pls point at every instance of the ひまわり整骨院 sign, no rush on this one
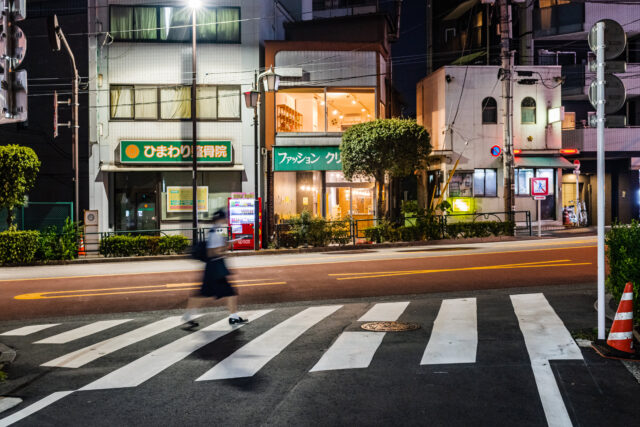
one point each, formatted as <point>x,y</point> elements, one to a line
<point>174,152</point>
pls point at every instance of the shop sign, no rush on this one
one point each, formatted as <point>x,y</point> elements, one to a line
<point>306,159</point>
<point>180,199</point>
<point>463,204</point>
<point>174,152</point>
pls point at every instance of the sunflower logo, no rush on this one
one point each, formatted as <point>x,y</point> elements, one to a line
<point>132,151</point>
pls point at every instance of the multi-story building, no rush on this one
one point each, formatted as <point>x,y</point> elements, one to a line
<point>554,32</point>
<point>140,57</point>
<point>345,80</point>
<point>459,106</point>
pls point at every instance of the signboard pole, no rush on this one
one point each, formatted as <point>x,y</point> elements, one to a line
<point>578,196</point>
<point>539,219</point>
<point>600,56</point>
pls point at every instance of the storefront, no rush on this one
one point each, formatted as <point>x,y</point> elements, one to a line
<point>152,186</point>
<point>310,179</point>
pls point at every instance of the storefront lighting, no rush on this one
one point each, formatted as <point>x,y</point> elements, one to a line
<point>251,98</point>
<point>555,115</point>
<point>363,110</point>
<point>462,204</point>
<point>335,112</point>
<point>517,151</point>
<point>341,117</point>
<point>271,80</point>
<point>321,102</point>
<point>567,151</point>
<point>353,102</point>
<point>195,4</point>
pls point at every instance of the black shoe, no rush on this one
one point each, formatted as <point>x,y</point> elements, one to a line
<point>191,324</point>
<point>233,320</point>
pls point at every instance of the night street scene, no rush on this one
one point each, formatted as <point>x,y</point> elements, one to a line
<point>320,213</point>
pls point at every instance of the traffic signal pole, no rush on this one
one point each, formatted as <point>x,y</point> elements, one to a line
<point>600,57</point>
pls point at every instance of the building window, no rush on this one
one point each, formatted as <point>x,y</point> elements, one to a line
<point>461,184</point>
<point>523,180</point>
<point>485,183</point>
<point>173,24</point>
<point>528,113</point>
<point>489,111</point>
<point>550,3</point>
<point>323,110</point>
<point>139,102</point>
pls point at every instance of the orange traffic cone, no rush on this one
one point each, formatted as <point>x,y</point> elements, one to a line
<point>621,334</point>
<point>81,250</point>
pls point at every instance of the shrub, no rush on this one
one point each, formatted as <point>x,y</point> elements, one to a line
<point>478,229</point>
<point>623,255</point>
<point>127,245</point>
<point>53,245</point>
<point>339,231</point>
<point>18,247</point>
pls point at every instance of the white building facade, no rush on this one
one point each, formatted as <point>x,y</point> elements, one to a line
<point>463,110</point>
<point>140,115</point>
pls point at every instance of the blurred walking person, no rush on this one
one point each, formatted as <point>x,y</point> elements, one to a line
<point>215,283</point>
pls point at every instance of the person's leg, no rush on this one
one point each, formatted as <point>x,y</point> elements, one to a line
<point>232,304</point>
<point>194,305</point>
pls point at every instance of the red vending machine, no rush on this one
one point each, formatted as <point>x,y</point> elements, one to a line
<point>242,216</point>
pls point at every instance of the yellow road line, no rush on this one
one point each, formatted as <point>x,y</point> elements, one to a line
<point>490,267</point>
<point>400,271</point>
<point>303,264</point>
<point>172,287</point>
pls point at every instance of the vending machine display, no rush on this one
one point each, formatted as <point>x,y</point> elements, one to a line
<point>242,220</point>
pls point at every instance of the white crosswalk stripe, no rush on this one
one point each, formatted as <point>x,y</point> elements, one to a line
<point>454,338</point>
<point>546,339</point>
<point>89,354</point>
<point>140,370</point>
<point>83,331</point>
<point>248,360</point>
<point>28,330</point>
<point>354,350</point>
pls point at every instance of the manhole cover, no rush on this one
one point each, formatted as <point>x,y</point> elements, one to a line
<point>390,326</point>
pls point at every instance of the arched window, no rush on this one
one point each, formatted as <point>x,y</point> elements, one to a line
<point>489,111</point>
<point>528,114</point>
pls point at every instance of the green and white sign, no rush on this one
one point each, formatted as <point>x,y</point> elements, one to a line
<point>174,152</point>
<point>306,159</point>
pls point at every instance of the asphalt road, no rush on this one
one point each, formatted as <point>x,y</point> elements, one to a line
<point>31,292</point>
<point>504,358</point>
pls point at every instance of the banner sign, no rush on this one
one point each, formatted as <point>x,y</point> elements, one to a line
<point>174,152</point>
<point>306,159</point>
<point>180,199</point>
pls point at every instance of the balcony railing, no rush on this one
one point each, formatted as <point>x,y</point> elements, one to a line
<point>557,20</point>
<point>620,140</point>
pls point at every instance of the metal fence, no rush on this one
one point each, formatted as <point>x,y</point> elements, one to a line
<point>39,215</point>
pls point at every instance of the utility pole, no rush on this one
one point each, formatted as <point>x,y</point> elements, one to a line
<point>507,97</point>
<point>55,37</point>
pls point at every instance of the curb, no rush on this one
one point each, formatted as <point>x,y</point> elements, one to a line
<point>7,355</point>
<point>360,246</point>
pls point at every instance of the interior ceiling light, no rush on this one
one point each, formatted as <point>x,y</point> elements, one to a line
<point>363,110</point>
<point>353,102</point>
<point>335,112</point>
<point>341,116</point>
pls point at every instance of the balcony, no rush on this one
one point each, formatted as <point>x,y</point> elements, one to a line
<point>558,20</point>
<point>622,140</point>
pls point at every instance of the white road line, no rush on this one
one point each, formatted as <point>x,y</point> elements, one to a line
<point>248,360</point>
<point>351,350</point>
<point>81,332</point>
<point>384,312</point>
<point>454,338</point>
<point>33,408</point>
<point>28,330</point>
<point>144,368</point>
<point>546,339</point>
<point>88,354</point>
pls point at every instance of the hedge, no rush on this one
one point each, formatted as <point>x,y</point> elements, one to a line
<point>431,228</point>
<point>304,229</point>
<point>18,247</point>
<point>127,245</point>
<point>623,256</point>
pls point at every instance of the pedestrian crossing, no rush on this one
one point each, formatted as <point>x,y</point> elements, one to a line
<point>452,339</point>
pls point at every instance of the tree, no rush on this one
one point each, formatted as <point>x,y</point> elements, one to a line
<point>19,167</point>
<point>388,146</point>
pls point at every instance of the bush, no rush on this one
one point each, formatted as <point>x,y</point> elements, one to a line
<point>305,229</point>
<point>127,245</point>
<point>53,245</point>
<point>623,256</point>
<point>18,247</point>
<point>479,229</point>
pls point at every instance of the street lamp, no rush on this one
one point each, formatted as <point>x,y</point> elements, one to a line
<point>194,5</point>
<point>271,81</point>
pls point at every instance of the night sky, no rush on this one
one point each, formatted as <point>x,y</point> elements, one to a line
<point>409,53</point>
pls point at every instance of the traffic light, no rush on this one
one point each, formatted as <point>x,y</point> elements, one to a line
<point>615,93</point>
<point>13,47</point>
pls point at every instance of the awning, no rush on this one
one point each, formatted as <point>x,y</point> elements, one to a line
<point>460,10</point>
<point>468,58</point>
<point>120,168</point>
<point>543,162</point>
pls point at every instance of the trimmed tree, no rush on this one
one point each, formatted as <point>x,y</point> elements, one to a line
<point>19,167</point>
<point>397,147</point>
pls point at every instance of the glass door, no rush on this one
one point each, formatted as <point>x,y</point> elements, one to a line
<point>146,218</point>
